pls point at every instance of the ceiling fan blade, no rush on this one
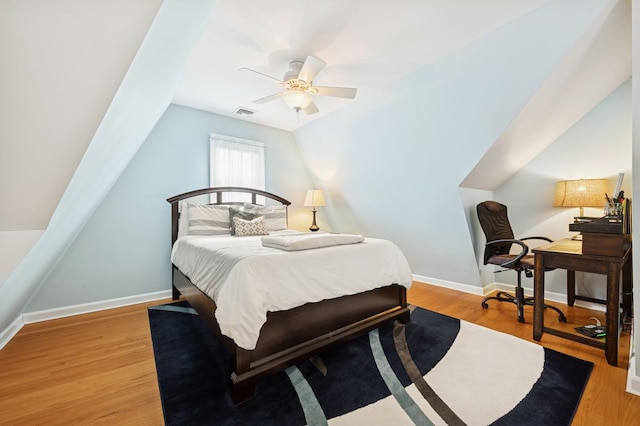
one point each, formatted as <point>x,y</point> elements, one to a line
<point>262,74</point>
<point>336,92</point>
<point>310,109</point>
<point>312,66</point>
<point>268,98</point>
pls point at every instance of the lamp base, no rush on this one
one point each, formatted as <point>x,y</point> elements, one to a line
<point>314,227</point>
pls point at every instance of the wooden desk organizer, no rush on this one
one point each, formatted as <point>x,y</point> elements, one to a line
<point>605,244</point>
<point>606,236</point>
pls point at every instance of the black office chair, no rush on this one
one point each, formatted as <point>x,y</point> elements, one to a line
<point>497,229</point>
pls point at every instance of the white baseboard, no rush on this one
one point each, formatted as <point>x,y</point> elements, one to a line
<point>7,334</point>
<point>509,288</point>
<point>67,311</point>
<point>466,288</point>
<point>32,317</point>
<point>633,381</point>
<point>548,295</point>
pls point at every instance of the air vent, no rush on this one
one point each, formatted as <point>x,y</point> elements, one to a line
<point>244,111</point>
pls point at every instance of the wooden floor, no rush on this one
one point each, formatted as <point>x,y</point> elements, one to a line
<point>98,368</point>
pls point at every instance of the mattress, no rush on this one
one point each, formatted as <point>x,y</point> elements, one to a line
<point>247,280</point>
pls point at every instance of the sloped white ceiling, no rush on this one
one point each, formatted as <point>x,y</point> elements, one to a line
<point>62,62</point>
<point>596,66</point>
<point>367,44</point>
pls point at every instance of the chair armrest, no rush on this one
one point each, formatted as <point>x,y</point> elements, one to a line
<point>537,238</point>
<point>511,264</point>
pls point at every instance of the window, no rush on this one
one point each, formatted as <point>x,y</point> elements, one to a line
<point>236,162</point>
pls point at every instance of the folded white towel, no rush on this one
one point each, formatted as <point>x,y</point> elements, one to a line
<point>305,241</point>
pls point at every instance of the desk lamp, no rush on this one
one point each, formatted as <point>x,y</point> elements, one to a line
<point>314,198</point>
<point>581,193</point>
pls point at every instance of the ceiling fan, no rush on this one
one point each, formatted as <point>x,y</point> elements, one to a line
<point>299,88</point>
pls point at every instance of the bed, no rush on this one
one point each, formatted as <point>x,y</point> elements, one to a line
<point>289,334</point>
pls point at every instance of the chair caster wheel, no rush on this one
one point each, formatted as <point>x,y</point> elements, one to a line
<point>562,318</point>
<point>485,306</point>
<point>520,319</point>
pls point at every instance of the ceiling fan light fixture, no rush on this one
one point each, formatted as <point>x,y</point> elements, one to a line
<point>298,86</point>
<point>296,99</point>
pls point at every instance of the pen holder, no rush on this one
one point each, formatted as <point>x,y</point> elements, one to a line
<point>614,209</point>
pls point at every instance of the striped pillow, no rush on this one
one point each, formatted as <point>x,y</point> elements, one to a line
<point>276,216</point>
<point>206,219</point>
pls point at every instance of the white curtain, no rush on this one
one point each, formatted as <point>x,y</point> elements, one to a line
<point>236,162</point>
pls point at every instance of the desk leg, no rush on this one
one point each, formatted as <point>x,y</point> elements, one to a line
<point>627,286</point>
<point>571,287</point>
<point>613,313</point>
<point>538,296</point>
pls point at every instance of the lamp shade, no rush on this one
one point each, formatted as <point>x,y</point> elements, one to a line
<point>296,99</point>
<point>581,193</point>
<point>314,198</point>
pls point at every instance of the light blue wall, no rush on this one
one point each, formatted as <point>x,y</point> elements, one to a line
<point>143,96</point>
<point>124,248</point>
<point>392,168</point>
<point>598,146</point>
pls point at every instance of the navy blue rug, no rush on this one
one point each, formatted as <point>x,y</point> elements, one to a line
<point>434,370</point>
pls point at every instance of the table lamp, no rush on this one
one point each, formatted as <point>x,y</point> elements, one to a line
<point>581,193</point>
<point>314,198</point>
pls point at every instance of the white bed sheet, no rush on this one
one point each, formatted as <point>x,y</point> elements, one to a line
<point>248,280</point>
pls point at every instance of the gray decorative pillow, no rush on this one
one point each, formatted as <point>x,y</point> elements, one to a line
<point>245,228</point>
<point>208,219</point>
<point>276,216</point>
<point>241,213</point>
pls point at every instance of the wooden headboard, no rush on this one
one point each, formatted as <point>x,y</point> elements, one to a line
<point>219,191</point>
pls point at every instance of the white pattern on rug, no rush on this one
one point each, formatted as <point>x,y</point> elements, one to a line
<point>483,376</point>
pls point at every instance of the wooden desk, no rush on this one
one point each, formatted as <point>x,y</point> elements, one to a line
<point>567,254</point>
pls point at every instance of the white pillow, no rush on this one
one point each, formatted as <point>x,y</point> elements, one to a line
<point>183,220</point>
<point>276,216</point>
<point>245,228</point>
<point>207,219</point>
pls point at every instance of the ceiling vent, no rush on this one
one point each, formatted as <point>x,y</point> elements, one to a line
<point>244,111</point>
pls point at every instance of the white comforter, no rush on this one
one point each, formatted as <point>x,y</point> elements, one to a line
<point>247,280</point>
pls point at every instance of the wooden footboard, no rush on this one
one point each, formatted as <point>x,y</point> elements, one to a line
<point>291,336</point>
